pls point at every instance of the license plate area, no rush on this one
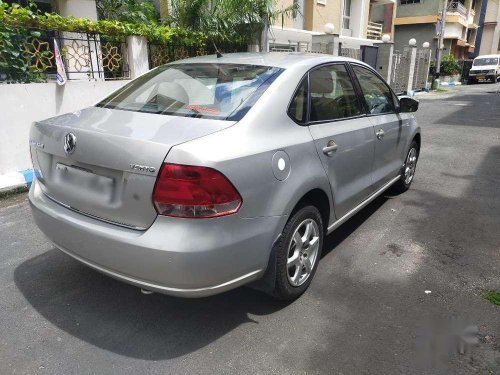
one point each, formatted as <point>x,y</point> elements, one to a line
<point>480,77</point>
<point>85,183</point>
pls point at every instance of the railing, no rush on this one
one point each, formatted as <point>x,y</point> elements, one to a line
<point>84,55</point>
<point>94,56</point>
<point>456,6</point>
<point>160,54</point>
<point>374,31</point>
<point>353,53</point>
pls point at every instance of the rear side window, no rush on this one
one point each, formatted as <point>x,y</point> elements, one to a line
<point>298,106</point>
<point>377,94</point>
<point>332,94</point>
<point>203,90</point>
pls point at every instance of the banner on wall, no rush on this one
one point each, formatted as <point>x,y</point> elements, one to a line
<point>61,70</point>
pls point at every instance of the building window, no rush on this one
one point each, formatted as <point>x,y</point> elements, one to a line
<point>404,2</point>
<point>346,16</point>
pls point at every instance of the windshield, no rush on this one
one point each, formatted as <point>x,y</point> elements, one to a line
<point>220,91</point>
<point>486,61</point>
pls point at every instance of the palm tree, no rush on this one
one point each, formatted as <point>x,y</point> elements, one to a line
<point>222,19</point>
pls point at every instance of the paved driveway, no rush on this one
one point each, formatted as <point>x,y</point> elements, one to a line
<point>367,310</point>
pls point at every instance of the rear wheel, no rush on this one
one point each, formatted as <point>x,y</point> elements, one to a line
<point>408,170</point>
<point>298,253</point>
<point>471,81</point>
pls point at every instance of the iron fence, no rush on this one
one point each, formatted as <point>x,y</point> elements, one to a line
<point>353,53</point>
<point>400,71</point>
<point>421,71</point>
<point>84,55</point>
<point>160,54</point>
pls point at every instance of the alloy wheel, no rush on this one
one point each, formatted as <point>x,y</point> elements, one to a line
<point>302,252</point>
<point>410,165</point>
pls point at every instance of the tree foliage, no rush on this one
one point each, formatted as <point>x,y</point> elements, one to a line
<point>14,64</point>
<point>225,19</point>
<point>449,66</point>
<point>17,17</point>
<point>132,11</point>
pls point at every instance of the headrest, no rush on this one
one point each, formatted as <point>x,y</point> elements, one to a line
<point>321,81</point>
<point>173,90</point>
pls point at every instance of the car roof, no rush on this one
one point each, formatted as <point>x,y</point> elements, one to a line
<point>486,56</point>
<point>275,59</point>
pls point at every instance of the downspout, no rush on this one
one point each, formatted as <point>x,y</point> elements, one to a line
<point>479,35</point>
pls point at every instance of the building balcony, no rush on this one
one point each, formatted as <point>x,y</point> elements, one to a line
<point>456,6</point>
<point>374,30</point>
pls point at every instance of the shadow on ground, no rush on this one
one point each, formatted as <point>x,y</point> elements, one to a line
<point>469,112</point>
<point>117,317</point>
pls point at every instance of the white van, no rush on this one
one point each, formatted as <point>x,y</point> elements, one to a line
<point>485,67</point>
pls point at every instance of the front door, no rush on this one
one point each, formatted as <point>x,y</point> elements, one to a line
<point>343,135</point>
<point>390,129</point>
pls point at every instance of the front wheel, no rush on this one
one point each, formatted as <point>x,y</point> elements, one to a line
<point>297,253</point>
<point>408,170</point>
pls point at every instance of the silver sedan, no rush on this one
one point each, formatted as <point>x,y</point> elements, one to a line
<point>209,173</point>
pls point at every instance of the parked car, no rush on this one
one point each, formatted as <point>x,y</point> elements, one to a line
<point>486,67</point>
<point>209,173</point>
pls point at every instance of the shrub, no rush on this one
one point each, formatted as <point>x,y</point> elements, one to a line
<point>449,66</point>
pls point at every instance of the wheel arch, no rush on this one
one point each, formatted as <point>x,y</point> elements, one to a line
<point>418,138</point>
<point>318,198</point>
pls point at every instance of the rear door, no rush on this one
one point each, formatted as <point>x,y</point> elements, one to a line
<point>343,135</point>
<point>390,129</point>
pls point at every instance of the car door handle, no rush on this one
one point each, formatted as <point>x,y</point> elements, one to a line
<point>330,148</point>
<point>380,134</point>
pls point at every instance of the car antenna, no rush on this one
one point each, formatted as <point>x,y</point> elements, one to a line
<point>219,55</point>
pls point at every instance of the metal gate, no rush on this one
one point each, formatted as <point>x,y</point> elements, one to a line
<point>421,69</point>
<point>353,53</point>
<point>400,72</point>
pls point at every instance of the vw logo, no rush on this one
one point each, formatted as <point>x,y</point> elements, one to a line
<point>69,143</point>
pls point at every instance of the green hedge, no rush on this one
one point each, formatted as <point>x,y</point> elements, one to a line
<point>29,17</point>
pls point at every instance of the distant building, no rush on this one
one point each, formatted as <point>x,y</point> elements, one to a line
<point>418,18</point>
<point>355,21</point>
<point>489,36</point>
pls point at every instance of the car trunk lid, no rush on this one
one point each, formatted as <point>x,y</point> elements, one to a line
<point>110,171</point>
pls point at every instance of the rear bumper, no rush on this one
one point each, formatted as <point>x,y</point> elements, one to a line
<point>181,257</point>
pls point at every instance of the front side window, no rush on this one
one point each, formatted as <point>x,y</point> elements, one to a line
<point>195,90</point>
<point>377,94</point>
<point>332,94</point>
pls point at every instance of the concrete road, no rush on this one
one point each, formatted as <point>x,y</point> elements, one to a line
<point>396,287</point>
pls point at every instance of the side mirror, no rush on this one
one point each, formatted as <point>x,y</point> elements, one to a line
<point>407,104</point>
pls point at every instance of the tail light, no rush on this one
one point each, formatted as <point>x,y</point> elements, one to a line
<point>194,192</point>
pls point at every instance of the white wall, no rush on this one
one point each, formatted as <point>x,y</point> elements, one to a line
<point>453,30</point>
<point>77,8</point>
<point>21,104</point>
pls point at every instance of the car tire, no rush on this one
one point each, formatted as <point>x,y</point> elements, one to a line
<point>408,169</point>
<point>471,81</point>
<point>297,259</point>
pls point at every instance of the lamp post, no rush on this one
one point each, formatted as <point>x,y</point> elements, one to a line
<point>441,27</point>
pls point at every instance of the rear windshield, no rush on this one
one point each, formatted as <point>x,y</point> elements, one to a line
<point>486,61</point>
<point>220,91</point>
